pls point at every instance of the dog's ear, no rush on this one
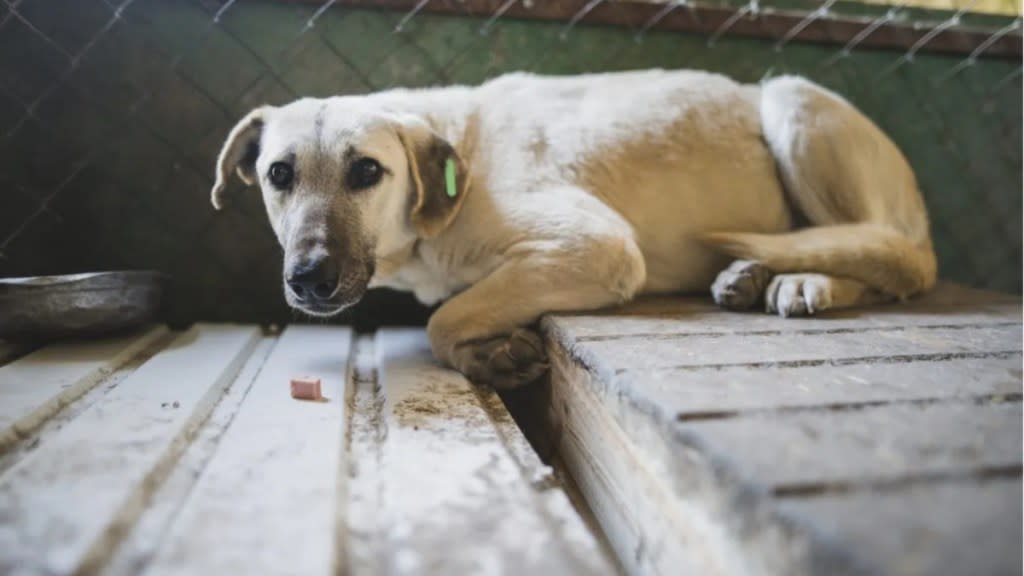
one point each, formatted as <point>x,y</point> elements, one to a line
<point>438,176</point>
<point>239,154</point>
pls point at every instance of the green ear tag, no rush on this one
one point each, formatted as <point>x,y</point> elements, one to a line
<point>449,178</point>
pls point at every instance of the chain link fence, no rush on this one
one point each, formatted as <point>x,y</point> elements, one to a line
<point>112,113</point>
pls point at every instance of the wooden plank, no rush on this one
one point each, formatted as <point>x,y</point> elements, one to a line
<point>268,503</point>
<point>689,395</point>
<point>576,527</point>
<point>64,506</point>
<point>139,546</point>
<point>949,305</point>
<point>707,319</point>
<point>702,352</point>
<point>37,386</point>
<point>662,505</point>
<point>445,495</point>
<point>711,321</point>
<point>941,529</point>
<point>700,430</point>
<point>812,450</point>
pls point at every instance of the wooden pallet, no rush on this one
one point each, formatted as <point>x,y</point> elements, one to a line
<point>182,453</point>
<point>883,441</point>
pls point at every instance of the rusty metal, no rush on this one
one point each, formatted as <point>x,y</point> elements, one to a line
<point>764,23</point>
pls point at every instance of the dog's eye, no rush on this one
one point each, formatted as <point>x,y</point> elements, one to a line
<point>364,173</point>
<point>281,175</point>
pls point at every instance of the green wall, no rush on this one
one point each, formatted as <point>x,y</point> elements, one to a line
<point>120,146</point>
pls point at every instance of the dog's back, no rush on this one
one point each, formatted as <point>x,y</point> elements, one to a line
<point>680,154</point>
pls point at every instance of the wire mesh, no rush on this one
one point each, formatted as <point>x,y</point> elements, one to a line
<point>112,112</point>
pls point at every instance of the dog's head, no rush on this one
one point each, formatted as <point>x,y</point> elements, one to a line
<point>345,183</point>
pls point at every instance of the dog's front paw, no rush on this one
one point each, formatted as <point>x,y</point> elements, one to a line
<point>505,361</point>
<point>741,285</point>
<point>798,295</point>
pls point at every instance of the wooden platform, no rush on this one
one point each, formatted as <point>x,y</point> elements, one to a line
<point>183,453</point>
<point>884,441</point>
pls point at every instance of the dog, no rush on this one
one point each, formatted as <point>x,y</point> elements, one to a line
<point>534,194</point>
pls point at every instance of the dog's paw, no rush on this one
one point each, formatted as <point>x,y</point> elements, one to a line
<point>741,285</point>
<point>505,361</point>
<point>798,295</point>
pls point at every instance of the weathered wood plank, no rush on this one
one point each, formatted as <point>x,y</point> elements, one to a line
<point>139,546</point>
<point>688,395</point>
<point>35,387</point>
<point>940,529</point>
<point>64,506</point>
<point>628,477</point>
<point>447,496</point>
<point>710,320</point>
<point>576,531</point>
<point>715,422</point>
<point>712,352</point>
<point>801,450</point>
<point>268,503</point>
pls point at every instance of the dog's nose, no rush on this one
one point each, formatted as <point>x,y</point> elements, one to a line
<point>314,280</point>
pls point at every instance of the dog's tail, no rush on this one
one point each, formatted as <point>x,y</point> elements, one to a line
<point>874,254</point>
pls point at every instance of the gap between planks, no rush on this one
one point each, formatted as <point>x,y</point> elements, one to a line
<point>849,406</point>
<point>364,437</point>
<point>442,481</point>
<point>824,331</point>
<point>817,489</point>
<point>837,362</point>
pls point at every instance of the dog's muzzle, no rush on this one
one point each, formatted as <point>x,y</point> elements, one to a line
<point>318,288</point>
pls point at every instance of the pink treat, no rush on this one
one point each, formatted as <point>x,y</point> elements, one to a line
<point>307,388</point>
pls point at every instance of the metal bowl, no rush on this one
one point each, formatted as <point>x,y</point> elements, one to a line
<point>77,304</point>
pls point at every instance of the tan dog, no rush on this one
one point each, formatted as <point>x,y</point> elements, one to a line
<point>575,193</point>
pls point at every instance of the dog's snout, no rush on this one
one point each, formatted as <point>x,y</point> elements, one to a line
<point>314,280</point>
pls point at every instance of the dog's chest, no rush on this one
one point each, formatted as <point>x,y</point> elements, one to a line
<point>430,280</point>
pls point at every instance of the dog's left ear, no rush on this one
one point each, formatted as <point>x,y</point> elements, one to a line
<point>433,165</point>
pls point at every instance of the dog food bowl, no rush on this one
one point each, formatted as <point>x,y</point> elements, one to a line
<point>78,304</point>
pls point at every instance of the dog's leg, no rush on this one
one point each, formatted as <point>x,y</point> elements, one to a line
<point>808,294</point>
<point>868,231</point>
<point>484,332</point>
